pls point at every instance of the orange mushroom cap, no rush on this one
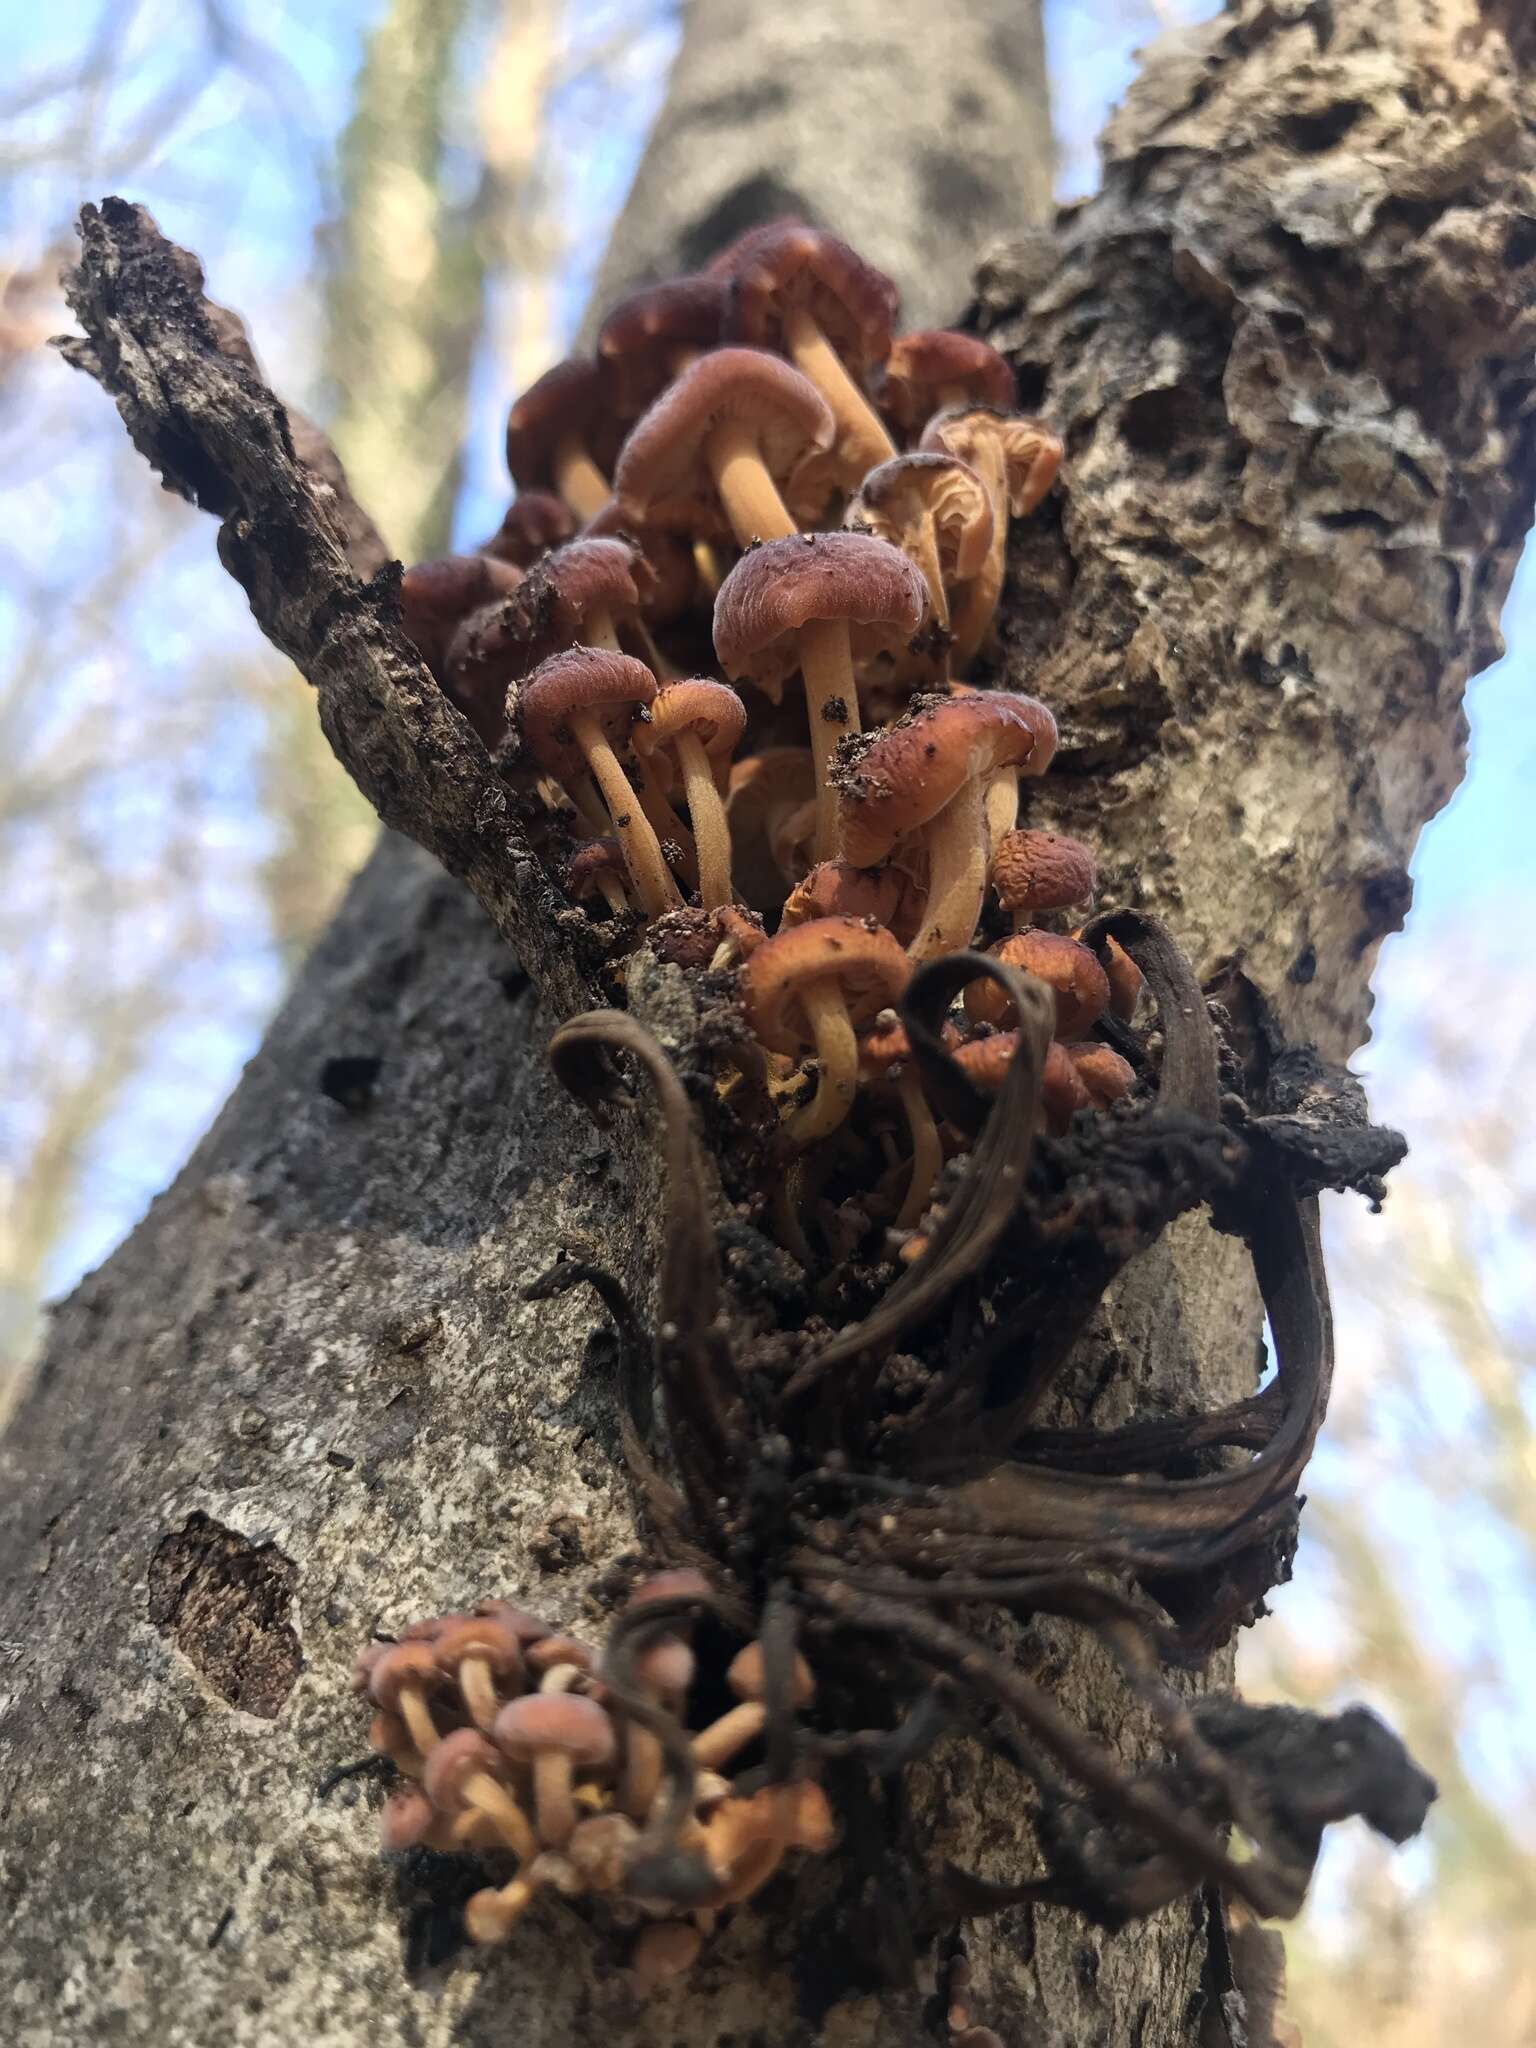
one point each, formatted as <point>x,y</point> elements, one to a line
<point>867,964</point>
<point>1102,1071</point>
<point>986,1061</point>
<point>894,781</point>
<point>663,479</point>
<point>612,686</point>
<point>1036,870</point>
<point>481,1636</point>
<point>1070,969</point>
<point>838,889</point>
<point>777,588</point>
<point>1031,452</point>
<point>711,711</point>
<point>922,365</point>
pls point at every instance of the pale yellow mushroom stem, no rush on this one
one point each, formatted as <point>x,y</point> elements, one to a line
<point>748,493</point>
<point>861,432</point>
<point>832,708</point>
<point>502,1810</point>
<point>490,1916</point>
<point>417,1716</point>
<point>957,873</point>
<point>579,480</point>
<point>1002,808</point>
<point>476,1681</point>
<point>837,1050</point>
<point>927,1151</point>
<point>632,828</point>
<point>667,825</point>
<point>552,1801</point>
<point>711,832</point>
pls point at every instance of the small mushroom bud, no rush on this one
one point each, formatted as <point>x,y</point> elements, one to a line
<point>720,1741</point>
<point>1070,969</point>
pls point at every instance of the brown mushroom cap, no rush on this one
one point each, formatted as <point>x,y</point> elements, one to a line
<point>463,1754</point>
<point>548,611</point>
<point>867,964</point>
<point>571,398</point>
<point>1102,1071</point>
<point>669,577</point>
<point>526,1626</point>
<point>534,522</point>
<point>776,588</point>
<point>612,686</point>
<point>437,596</point>
<point>407,1818</point>
<point>922,365</point>
<point>899,778</point>
<point>1063,1091</point>
<point>711,711</point>
<point>1070,969</point>
<point>1031,452</point>
<point>985,1061</point>
<point>838,889</point>
<point>561,1721</point>
<point>591,861</point>
<point>790,264</point>
<point>941,487</point>
<point>663,479</point>
<point>640,338</point>
<point>402,1664</point>
<point>1125,980</point>
<point>484,1637</point>
<point>1036,870</point>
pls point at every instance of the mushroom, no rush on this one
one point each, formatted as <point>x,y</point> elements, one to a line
<point>764,790</point>
<point>746,1839</point>
<point>557,1662</point>
<point>804,292</point>
<point>936,368</point>
<point>936,509</point>
<point>666,1950</point>
<point>557,430</point>
<point>533,523</point>
<point>597,869</point>
<point>478,1650</point>
<point>462,1772</point>
<point>671,581</point>
<point>656,332</point>
<point>985,1062</point>
<point>1034,871</point>
<point>927,778</point>
<point>815,985</point>
<point>1125,979</point>
<point>1069,969</point>
<point>399,1680</point>
<point>599,1850</point>
<point>700,722</point>
<point>709,456</point>
<point>885,1054</point>
<point>1017,459</point>
<point>570,711</point>
<point>837,889</point>
<point>747,1678</point>
<point>1102,1071</point>
<point>558,1733</point>
<point>409,1820</point>
<point>437,596</point>
<point>795,603</point>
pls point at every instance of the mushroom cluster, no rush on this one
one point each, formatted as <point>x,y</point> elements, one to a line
<point>755,474</point>
<point>511,1739</point>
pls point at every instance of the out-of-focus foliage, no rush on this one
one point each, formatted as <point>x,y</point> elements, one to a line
<point>1416,1583</point>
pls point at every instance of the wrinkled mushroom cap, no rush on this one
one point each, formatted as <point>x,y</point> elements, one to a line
<point>711,711</point>
<point>896,780</point>
<point>1031,452</point>
<point>936,359</point>
<point>562,1721</point>
<point>896,498</point>
<point>534,522</point>
<point>1070,969</point>
<point>663,479</point>
<point>1037,870</point>
<point>637,341</point>
<point>597,857</point>
<point>867,964</point>
<point>463,1754</point>
<point>790,264</point>
<point>836,888</point>
<point>570,399</point>
<point>775,589</point>
<point>613,687</point>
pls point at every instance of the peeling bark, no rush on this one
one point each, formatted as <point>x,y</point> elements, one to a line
<point>1288,347</point>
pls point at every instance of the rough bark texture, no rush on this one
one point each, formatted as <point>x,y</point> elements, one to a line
<point>1289,349</point>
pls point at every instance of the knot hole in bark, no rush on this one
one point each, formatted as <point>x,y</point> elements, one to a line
<point>224,1603</point>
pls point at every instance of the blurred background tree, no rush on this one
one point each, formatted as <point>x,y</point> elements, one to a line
<point>406,199</point>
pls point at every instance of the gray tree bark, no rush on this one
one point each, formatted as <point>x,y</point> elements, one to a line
<point>1289,348</point>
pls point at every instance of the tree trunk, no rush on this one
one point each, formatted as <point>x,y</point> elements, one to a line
<point>1289,349</point>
